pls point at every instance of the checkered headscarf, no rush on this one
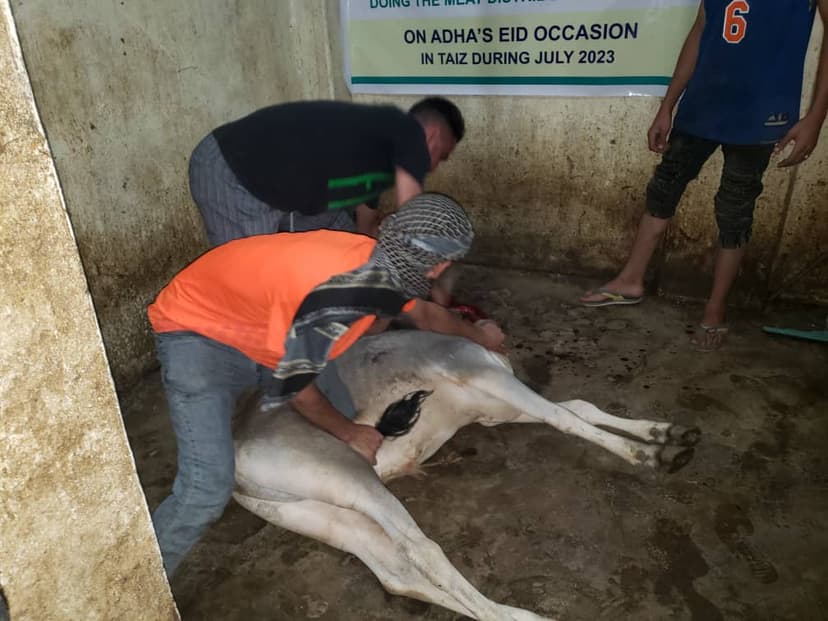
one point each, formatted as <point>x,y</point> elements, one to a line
<point>427,230</point>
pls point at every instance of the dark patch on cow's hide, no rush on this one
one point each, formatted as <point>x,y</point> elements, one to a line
<point>400,416</point>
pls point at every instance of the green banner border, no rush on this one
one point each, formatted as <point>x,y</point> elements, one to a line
<point>656,80</point>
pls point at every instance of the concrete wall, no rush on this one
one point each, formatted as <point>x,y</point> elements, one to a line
<point>75,536</point>
<point>127,88</point>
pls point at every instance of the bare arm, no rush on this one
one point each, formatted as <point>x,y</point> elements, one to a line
<point>407,187</point>
<point>819,106</point>
<point>378,327</point>
<point>367,220</point>
<point>440,294</point>
<point>442,289</point>
<point>685,65</point>
<point>434,318</point>
<point>314,406</point>
<point>805,134</point>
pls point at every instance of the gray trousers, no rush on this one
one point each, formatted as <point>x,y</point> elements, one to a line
<point>230,212</point>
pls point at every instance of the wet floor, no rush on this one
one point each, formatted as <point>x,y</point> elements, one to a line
<point>548,522</point>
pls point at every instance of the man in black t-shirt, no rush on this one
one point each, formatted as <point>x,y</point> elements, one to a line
<point>317,164</point>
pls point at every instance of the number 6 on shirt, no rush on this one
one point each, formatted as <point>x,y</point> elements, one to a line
<point>735,23</point>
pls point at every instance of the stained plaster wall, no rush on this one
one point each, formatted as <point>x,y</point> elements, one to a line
<point>127,88</point>
<point>76,540</point>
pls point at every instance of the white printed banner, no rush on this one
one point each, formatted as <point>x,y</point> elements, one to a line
<point>525,47</point>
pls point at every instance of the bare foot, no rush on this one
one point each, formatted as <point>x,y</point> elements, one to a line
<point>709,338</point>
<point>711,334</point>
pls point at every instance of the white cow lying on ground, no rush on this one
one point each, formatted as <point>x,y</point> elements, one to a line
<point>302,479</point>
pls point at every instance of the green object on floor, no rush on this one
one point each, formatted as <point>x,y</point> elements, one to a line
<point>811,335</point>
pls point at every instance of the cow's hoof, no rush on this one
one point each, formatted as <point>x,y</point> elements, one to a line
<point>683,436</point>
<point>674,458</point>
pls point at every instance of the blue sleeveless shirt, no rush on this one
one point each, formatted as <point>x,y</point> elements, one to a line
<point>747,84</point>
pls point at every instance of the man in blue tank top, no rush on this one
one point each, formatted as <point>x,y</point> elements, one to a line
<point>739,77</point>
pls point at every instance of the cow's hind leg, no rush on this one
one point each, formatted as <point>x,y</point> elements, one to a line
<point>646,430</point>
<point>356,533</point>
<point>501,386</point>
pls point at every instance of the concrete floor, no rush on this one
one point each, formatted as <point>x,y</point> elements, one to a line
<point>550,523</point>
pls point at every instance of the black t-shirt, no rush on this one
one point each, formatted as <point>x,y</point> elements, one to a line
<point>313,156</point>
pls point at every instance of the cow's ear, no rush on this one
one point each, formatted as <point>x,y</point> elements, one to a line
<point>400,416</point>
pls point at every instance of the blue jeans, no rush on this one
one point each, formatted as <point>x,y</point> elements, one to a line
<point>202,380</point>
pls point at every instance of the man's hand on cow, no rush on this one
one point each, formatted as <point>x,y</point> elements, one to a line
<point>493,336</point>
<point>315,406</point>
<point>435,318</point>
<point>365,440</point>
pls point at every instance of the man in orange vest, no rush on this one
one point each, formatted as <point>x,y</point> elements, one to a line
<point>270,311</point>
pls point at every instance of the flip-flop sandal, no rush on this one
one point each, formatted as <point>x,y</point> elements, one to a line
<point>613,299</point>
<point>709,338</point>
